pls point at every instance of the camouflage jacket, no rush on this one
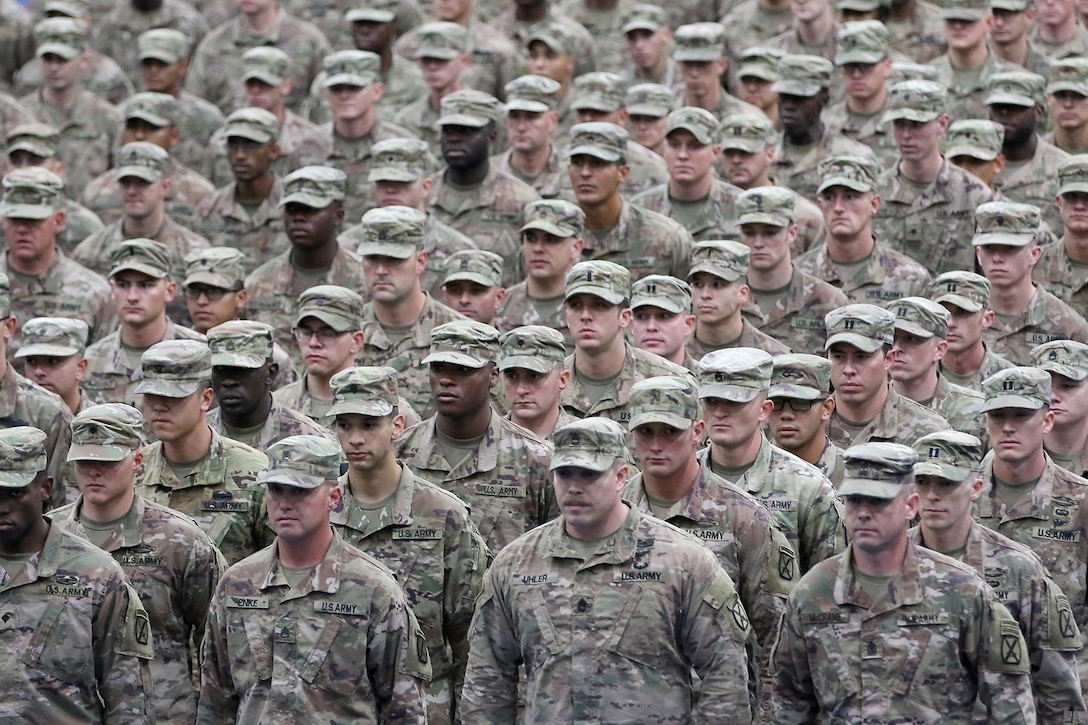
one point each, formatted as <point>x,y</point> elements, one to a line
<point>187,190</point>
<point>1056,273</point>
<point>77,643</point>
<point>868,130</point>
<point>967,100</point>
<point>644,242</point>
<point>16,42</point>
<point>901,420</point>
<point>642,611</point>
<point>174,567</point>
<point>791,42</point>
<point>797,321</point>
<point>1073,47</point>
<point>505,482</point>
<point>727,105</point>
<point>921,38</point>
<point>553,181</point>
<point>799,171</point>
<point>606,27</point>
<point>718,219</point>
<point>494,59</point>
<point>648,170</point>
<point>12,113</point>
<point>518,309</point>
<point>280,423</point>
<point>110,378</point>
<point>1035,181</point>
<point>403,83</point>
<point>100,75</point>
<point>961,407</point>
<point>749,337</point>
<point>832,464</point>
<point>426,538</point>
<point>296,396</point>
<point>23,402</point>
<point>749,23</point>
<point>340,646</point>
<point>116,33</point>
<point>221,495</point>
<point>936,642</point>
<point>517,31</point>
<point>991,363</point>
<point>225,223</point>
<point>935,227</point>
<point>887,275</point>
<point>1024,586</point>
<point>1046,318</point>
<point>811,230</point>
<point>421,118</point>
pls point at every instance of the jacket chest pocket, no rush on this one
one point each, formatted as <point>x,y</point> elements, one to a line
<point>337,660</point>
<point>61,645</point>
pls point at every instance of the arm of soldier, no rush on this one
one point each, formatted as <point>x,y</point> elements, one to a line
<point>822,532</point>
<point>58,440</point>
<point>219,699</point>
<point>768,571</point>
<point>995,648</point>
<point>199,581</point>
<point>123,652</point>
<point>490,694</point>
<point>549,507</point>
<point>396,660</point>
<point>466,562</point>
<point>681,260</point>
<point>793,696</point>
<point>262,530</point>
<point>1054,641</point>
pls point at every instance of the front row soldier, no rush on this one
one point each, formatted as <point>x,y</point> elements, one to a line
<point>947,481</point>
<point>171,563</point>
<point>422,533</point>
<point>310,628</point>
<point>533,378</point>
<point>76,639</point>
<point>801,406</point>
<point>609,610</point>
<point>888,631</point>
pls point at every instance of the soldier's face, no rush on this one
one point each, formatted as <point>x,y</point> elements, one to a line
<point>297,514</point>
<point>441,73</point>
<point>402,193</point>
<point>543,61</point>
<point>162,77</point>
<point>1019,122</point>
<point>461,392</point>
<point>857,375</point>
<point>701,77</point>
<point>324,359</point>
<point>1073,206</point>
<point>1017,434</point>
<point>474,300</point>
<point>367,440</point>
<point>309,228</point>
<point>175,419</point>
<point>140,199</point>
<point>912,357</point>
<point>60,375</point>
<point>529,131</point>
<point>532,395</point>
<point>807,10</point>
<point>466,147</point>
<point>967,34</point>
<point>595,324</point>
<point>589,501</point>
<point>451,10</point>
<point>29,240</point>
<point>141,300</point>
<point>1069,109</point>
<point>373,37</point>
<point>107,485</point>
<point>847,213</point>
<point>799,114</point>
<point>917,140</point>
<point>1055,12</point>
<point>742,168</point>
<point>732,425</point>
<point>689,160</point>
<point>793,429</point>
<point>593,115</point>
<point>647,48</point>
<point>389,280</point>
<point>242,391</point>
<point>250,160</point>
<point>944,503</point>
<point>61,74</point>
<point>205,312</point>
<point>547,256</point>
<point>1068,400</point>
<point>352,103</point>
<point>664,451</point>
<point>262,95</point>
<point>757,92</point>
<point>22,528</point>
<point>877,525</point>
<point>965,327</point>
<point>648,131</point>
<point>595,180</point>
<point>864,81</point>
<point>716,300</point>
<point>769,245</point>
<point>1005,265</point>
<point>662,332</point>
<point>137,129</point>
<point>1010,25</point>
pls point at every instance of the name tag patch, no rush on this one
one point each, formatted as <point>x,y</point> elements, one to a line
<point>247,602</point>
<point>532,578</point>
<point>350,610</point>
<point>493,489</point>
<point>67,585</point>
<point>228,505</point>
<point>807,323</point>
<point>824,617</point>
<point>416,534</point>
<point>920,619</point>
<point>141,560</point>
<point>637,576</point>
<point>779,504</point>
<point>1056,535</point>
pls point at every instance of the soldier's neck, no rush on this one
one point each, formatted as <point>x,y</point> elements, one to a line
<point>318,385</point>
<point>353,128</point>
<point>886,561</point>
<point>708,100</point>
<point>1012,299</point>
<point>807,136</point>
<point>109,510</point>
<point>1059,33</point>
<point>532,161</point>
<point>1014,52</point>
<point>771,279</point>
<point>676,486</point>
<point>1071,138</point>
<point>140,336</point>
<point>320,257</point>
<point>722,333</point>
<point>254,191</point>
<point>922,171</point>
<point>1028,469</point>
<point>967,362</point>
<point>64,98</point>
<point>812,450</point>
<point>33,267</point>
<point>404,311</point>
<point>817,30</point>
<point>1024,152</point>
<point>261,21</point>
<point>1068,438</point>
<point>742,454</point>
<point>602,364</point>
<point>604,216</point>
<point>657,70</point>
<point>693,190</point>
<point>310,551</point>
<point>969,58</point>
<point>466,427</point>
<point>546,289</point>
<point>192,447</point>
<point>853,249</point>
<point>864,411</point>
<point>376,485</point>
<point>147,226</point>
<point>868,106</point>
<point>542,425</point>
<point>944,541</point>
<point>437,94</point>
<point>919,389</point>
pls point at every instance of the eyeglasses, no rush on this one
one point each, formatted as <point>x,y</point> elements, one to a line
<point>214,294</point>
<point>796,404</point>
<point>324,335</point>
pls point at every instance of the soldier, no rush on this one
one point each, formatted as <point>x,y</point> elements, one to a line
<point>16,42</point>
<point>661,319</point>
<point>499,468</point>
<point>118,25</point>
<point>53,357</point>
<point>534,377</point>
<point>974,145</point>
<point>813,30</point>
<point>443,57</point>
<point>473,284</point>
<point>551,54</point>
<point>698,624</point>
<point>918,344</point>
<point>310,581</point>
<point>700,61</point>
<point>422,533</point>
<point>864,268</point>
<point>605,23</point>
<point>1067,440</point>
<point>85,121</point>
<point>867,405</point>
<point>175,567</point>
<point>1013,21</point>
<point>753,23</point>
<point>472,195</point>
<point>802,405</point>
<point>968,361</point>
<point>521,20</point>
<point>915,30</point>
<point>246,213</point>
<point>648,106</point>
<point>1025,314</point>
<point>398,320</point>
<point>191,468</point>
<point>648,34</point>
<point>1067,95</point>
<point>72,613</point>
<point>1058,269</point>
<point>531,123</point>
<point>915,598</point>
<point>1059,33</point>
<point>46,282</point>
<point>927,204</point>
<point>242,376</point>
<point>141,287</point>
<point>756,74</point>
<point>692,196</point>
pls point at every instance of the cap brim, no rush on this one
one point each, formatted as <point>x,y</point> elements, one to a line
<point>337,322</point>
<point>795,88</point>
<point>750,146</point>
<point>289,478</point>
<point>959,301</point>
<point>372,408</point>
<point>17,479</point>
<point>152,118</point>
<point>640,25</point>
<point>523,104</point>
<point>698,132</point>
<point>159,55</point>
<point>313,201</point>
<point>592,104</point>
<point>470,277</point>
<point>861,342</point>
<point>1067,371</point>
<point>347,79</point>
<point>941,470</point>
<point>433,52</point>
<point>167,388</point>
<point>251,134</point>
<point>455,358</point>
<point>237,360</point>
<point>387,173</point>
<point>211,279</point>
<point>859,56</point>
<point>1011,99</point>
<point>582,459</point>
<point>709,268</point>
<point>1003,238</point>
<point>46,350</point>
<point>140,172</point>
<point>913,329</point>
<point>26,211</point>
<point>699,55</point>
<point>463,119</point>
<point>970,151</point>
<point>909,114</point>
<point>30,146</point>
<point>873,489</point>
<point>962,14</point>
<point>1072,87</point>
<point>855,184</point>
<point>551,228</point>
<point>536,364</point>
<point>372,15</point>
<point>796,392</point>
<point>377,249</point>
<point>678,422</point>
<point>732,393</point>
<point>755,70</point>
<point>1073,186</point>
<point>775,220</point>
<point>595,151</point>
<point>262,76</point>
<point>64,51</point>
<point>92,452</point>
<point>659,302</point>
<point>147,269</point>
<point>1010,401</point>
<point>604,293</point>
<point>651,110</point>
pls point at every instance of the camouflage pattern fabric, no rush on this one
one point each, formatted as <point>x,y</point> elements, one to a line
<point>887,275</point>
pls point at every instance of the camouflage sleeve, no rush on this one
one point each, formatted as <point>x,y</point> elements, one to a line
<point>997,650</point>
<point>768,571</point>
<point>218,702</point>
<point>490,693</point>
<point>204,568</point>
<point>793,696</point>
<point>58,440</point>
<point>1054,641</point>
<point>123,653</point>
<point>822,533</point>
<point>263,533</point>
<point>397,663</point>
<point>465,565</point>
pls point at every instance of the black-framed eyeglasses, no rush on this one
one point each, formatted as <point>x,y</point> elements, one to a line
<point>324,335</point>
<point>214,294</point>
<point>797,405</point>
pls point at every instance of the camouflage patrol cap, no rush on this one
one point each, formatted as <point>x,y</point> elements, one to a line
<point>1012,6</point>
<point>1004,222</point>
<point>53,337</point>
<point>475,265</point>
<point>240,344</point>
<point>857,6</point>
<point>401,159</point>
<point>222,267</point>
<point>1016,387</point>
<point>441,40</point>
<point>699,42</point>
<point>158,109</point>
<point>314,186</point>
<point>163,44</point>
<point>864,41</point>
<point>175,368</point>
<point>662,291</point>
<point>644,16</point>
<point>30,193</point>
<point>975,138</point>
<point>5,296</point>
<point>748,132</point>
<point>600,278</point>
<point>948,454</point>
<point>142,255</point>
<point>1067,358</point>
<point>533,347</point>
<point>918,101</point>
<point>854,172</point>
<point>701,123</point>
<point>905,70</point>
<point>37,138</point>
<point>724,258</point>
<point>254,124</point>
<point>392,231</point>
<point>965,9</point>
<point>605,141</point>
<point>666,399</point>
<point>1068,74</point>
<point>22,456</point>
<point>107,432</point>
<point>765,205</point>
<point>800,376</point>
<point>920,317</point>
<point>737,374</point>
<point>64,37</point>
<point>267,64</point>
<point>553,35</point>
<point>877,470</point>
<point>1016,88</point>
<point>357,68</point>
<point>471,108</point>
<point>364,391</point>
<point>338,307</point>
<point>303,461</point>
<point>557,217</point>
<point>966,290</point>
<point>67,8</point>
<point>598,91</point>
<point>649,99</point>
<point>143,160</point>
<point>759,61</point>
<point>535,94</point>
<point>866,327</point>
<point>374,11</point>
<point>1073,174</point>
<point>802,75</point>
<point>467,343</point>
<point>591,443</point>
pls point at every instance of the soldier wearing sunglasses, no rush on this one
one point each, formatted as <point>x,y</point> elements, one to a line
<point>802,404</point>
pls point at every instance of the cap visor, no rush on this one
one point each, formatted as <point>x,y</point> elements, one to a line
<point>152,118</point>
<point>263,76</point>
<point>373,408</point>
<point>246,132</point>
<point>64,51</point>
<point>463,119</point>
<point>211,279</point>
<point>854,184</point>
<point>435,52</point>
<point>651,110</point>
<point>26,211</point>
<point>377,249</point>
<point>369,14</point>
<point>733,393</point>
<point>962,14</point>
<point>388,173</point>
<point>913,329</point>
<point>139,172</point>
<point>16,479</point>
<point>595,151</point>
<point>864,487</point>
<point>306,199</point>
<point>333,320</point>
<point>1067,371</point>
<point>959,301</point>
<point>1011,99</point>
<point>640,25</point>
<point>289,478</point>
<point>678,422</point>
<point>346,79</point>
<point>455,358</point>
<point>236,360</point>
<point>796,392</point>
<point>1072,186</point>
<point>795,88</point>
<point>160,55</point>
<point>1011,401</point>
<point>941,470</point>
<point>89,452</point>
<point>582,459</point>
<point>973,152</point>
<point>858,56</point>
<point>1057,86</point>
<point>698,132</point>
<point>700,55</point>
<point>659,302</point>
<point>775,220</point>
<point>605,294</point>
<point>166,388</point>
<point>593,104</point>
<point>522,104</point>
<point>45,349</point>
<point>469,276</point>
<point>1008,240</point>
<point>32,146</point>
<point>153,272</point>
<point>536,364</point>
<point>750,146</point>
<point>709,268</point>
<point>761,72</point>
<point>909,114</point>
<point>861,342</point>
<point>551,228</point>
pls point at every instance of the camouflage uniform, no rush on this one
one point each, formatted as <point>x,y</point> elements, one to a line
<point>1046,318</point>
<point>967,100</point>
<point>901,420</point>
<point>118,32</point>
<point>187,190</point>
<point>717,219</point>
<point>110,378</point>
<point>495,60</point>
<point>751,23</point>
<point>518,309</point>
<point>868,130</point>
<point>94,251</point>
<point>16,41</point>
<point>1075,47</point>
<point>991,363</point>
<point>23,402</point>
<point>224,222</point>
<point>961,407</point>
<point>921,37</point>
<point>101,76</point>
<point>798,323</point>
<point>643,241</point>
<point>12,114</point>
<point>519,32</point>
<point>750,336</point>
<point>799,173</point>
<point>887,275</point>
<point>605,25</point>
